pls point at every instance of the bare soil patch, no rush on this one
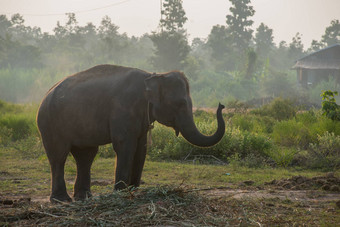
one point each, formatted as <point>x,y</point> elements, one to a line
<point>305,202</point>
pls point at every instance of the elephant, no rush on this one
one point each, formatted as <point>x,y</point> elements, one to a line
<point>113,104</point>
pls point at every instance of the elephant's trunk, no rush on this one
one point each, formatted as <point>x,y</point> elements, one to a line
<point>190,132</point>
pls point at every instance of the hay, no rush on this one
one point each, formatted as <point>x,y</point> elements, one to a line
<point>169,206</point>
<point>150,206</point>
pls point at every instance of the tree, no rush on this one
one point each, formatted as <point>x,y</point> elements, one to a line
<point>295,50</point>
<point>107,28</point>
<point>332,34</point>
<point>171,44</point>
<point>250,64</point>
<point>112,43</point>
<point>239,23</point>
<point>315,46</point>
<point>71,27</point>
<point>264,40</point>
<point>171,50</point>
<point>219,41</point>
<point>221,44</point>
<point>174,16</point>
<point>5,24</point>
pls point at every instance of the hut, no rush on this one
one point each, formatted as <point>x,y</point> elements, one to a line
<point>318,66</point>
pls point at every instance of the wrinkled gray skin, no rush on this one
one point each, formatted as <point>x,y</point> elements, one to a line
<point>108,104</point>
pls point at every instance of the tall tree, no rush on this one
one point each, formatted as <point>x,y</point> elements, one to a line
<point>171,44</point>
<point>112,43</point>
<point>171,50</point>
<point>263,40</point>
<point>240,24</point>
<point>173,16</point>
<point>4,25</point>
<point>295,50</point>
<point>332,33</point>
<point>315,46</point>
<point>220,43</point>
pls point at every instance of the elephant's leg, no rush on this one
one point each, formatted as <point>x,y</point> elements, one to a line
<point>125,151</point>
<point>138,162</point>
<point>84,158</point>
<point>57,155</point>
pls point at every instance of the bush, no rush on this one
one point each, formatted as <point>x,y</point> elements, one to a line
<point>329,107</point>
<point>326,152</point>
<point>283,156</point>
<point>292,133</point>
<point>166,146</point>
<point>5,136</point>
<point>21,125</point>
<point>279,109</point>
<point>253,123</point>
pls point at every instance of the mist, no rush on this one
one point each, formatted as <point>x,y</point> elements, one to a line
<point>220,68</point>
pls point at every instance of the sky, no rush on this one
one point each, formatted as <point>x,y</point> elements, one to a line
<point>137,17</point>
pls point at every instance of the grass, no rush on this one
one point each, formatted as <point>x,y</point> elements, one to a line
<point>32,176</point>
<point>172,193</point>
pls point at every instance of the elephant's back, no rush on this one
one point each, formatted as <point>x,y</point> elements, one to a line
<point>93,88</point>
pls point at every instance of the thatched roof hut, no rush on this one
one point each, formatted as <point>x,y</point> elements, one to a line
<point>319,66</point>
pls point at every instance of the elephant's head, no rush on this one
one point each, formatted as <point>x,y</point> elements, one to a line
<point>171,105</point>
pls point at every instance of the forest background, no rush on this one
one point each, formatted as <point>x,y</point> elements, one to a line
<point>233,63</point>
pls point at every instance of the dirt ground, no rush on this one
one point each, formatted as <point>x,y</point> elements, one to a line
<point>294,201</point>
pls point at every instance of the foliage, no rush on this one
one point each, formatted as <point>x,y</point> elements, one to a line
<point>166,146</point>
<point>313,93</point>
<point>332,34</point>
<point>296,47</point>
<point>20,125</point>
<point>16,121</point>
<point>31,61</point>
<point>291,133</point>
<point>250,65</point>
<point>282,156</point>
<point>220,43</point>
<point>279,109</point>
<point>264,40</point>
<point>329,106</point>
<point>171,50</point>
<point>325,153</point>
<point>174,16</point>
<point>277,84</point>
<point>239,23</point>
<point>253,123</point>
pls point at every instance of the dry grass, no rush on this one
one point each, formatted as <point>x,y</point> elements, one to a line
<point>170,206</point>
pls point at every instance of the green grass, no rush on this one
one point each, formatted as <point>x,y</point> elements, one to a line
<point>32,176</point>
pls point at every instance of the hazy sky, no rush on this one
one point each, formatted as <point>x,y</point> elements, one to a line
<point>136,17</point>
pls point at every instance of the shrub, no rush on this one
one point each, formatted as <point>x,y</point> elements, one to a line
<point>5,136</point>
<point>29,147</point>
<point>279,109</point>
<point>21,125</point>
<point>291,133</point>
<point>326,152</point>
<point>282,156</point>
<point>166,146</point>
<point>329,107</point>
<point>253,123</point>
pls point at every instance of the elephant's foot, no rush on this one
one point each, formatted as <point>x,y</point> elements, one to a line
<point>60,198</point>
<point>79,196</point>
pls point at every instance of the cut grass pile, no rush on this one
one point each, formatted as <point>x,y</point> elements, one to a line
<point>170,206</point>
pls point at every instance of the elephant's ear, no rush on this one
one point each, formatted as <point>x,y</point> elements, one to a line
<point>153,89</point>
